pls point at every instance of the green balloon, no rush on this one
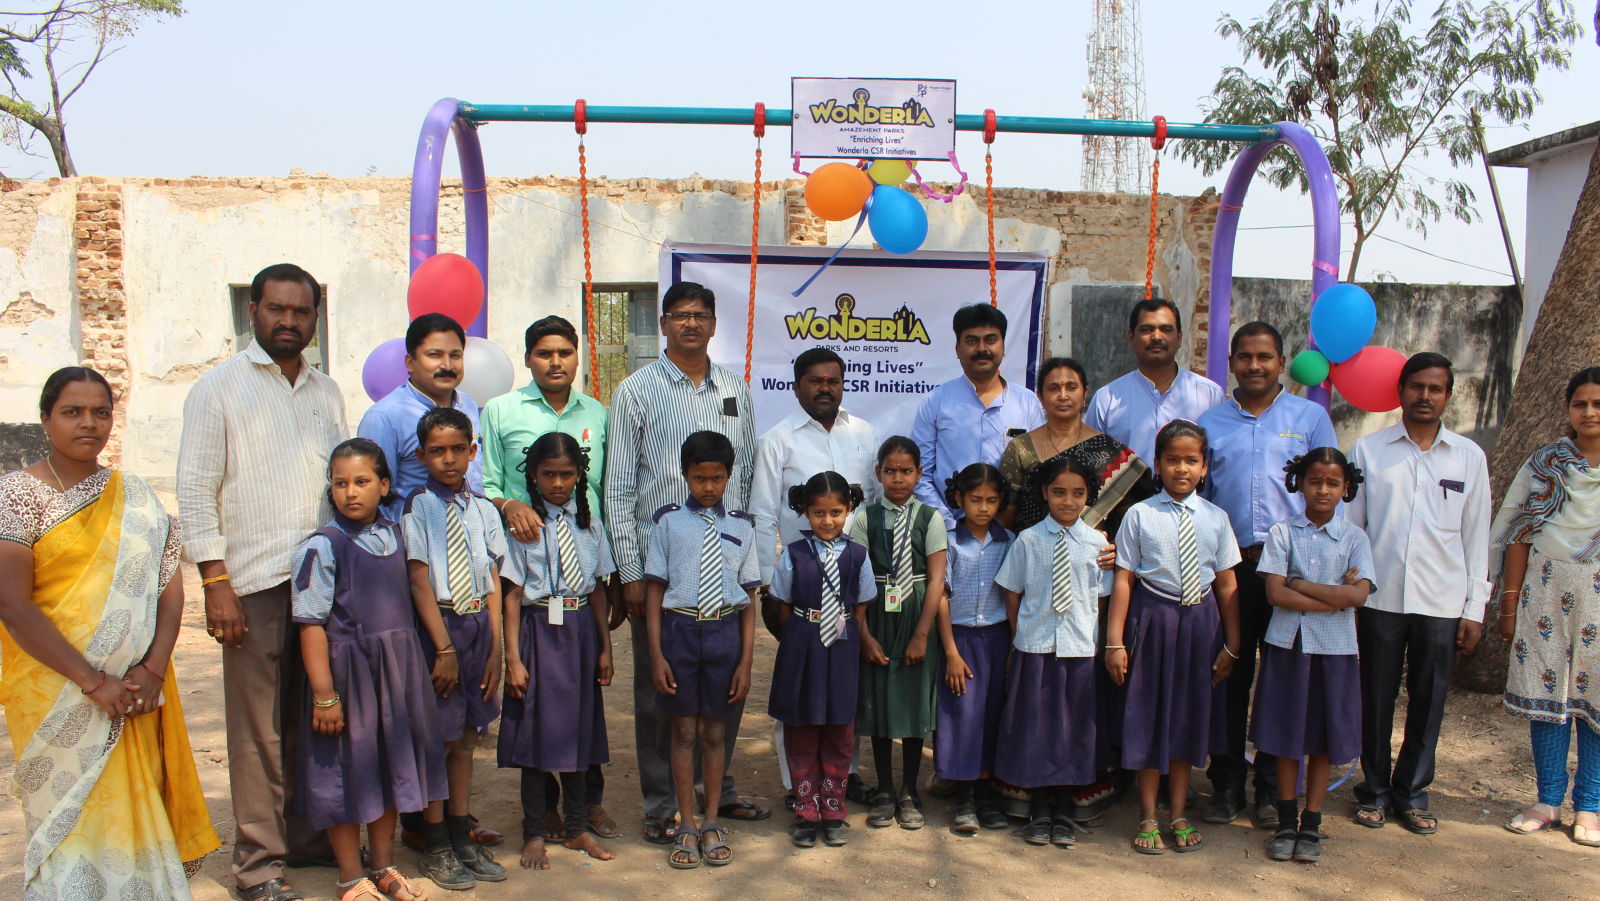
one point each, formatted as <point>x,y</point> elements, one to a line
<point>1309,368</point>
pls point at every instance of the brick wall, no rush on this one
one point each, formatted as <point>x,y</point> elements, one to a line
<point>102,306</point>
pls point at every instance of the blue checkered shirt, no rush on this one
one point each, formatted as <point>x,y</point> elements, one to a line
<point>674,555</point>
<point>425,531</point>
<point>536,566</point>
<point>1147,543</point>
<point>1027,571</point>
<point>1321,554</point>
<point>969,569</point>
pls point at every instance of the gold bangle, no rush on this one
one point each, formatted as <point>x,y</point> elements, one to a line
<point>214,579</point>
<point>1506,615</point>
<point>328,703</point>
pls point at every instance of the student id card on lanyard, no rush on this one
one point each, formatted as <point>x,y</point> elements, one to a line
<point>894,595</point>
<point>557,605</point>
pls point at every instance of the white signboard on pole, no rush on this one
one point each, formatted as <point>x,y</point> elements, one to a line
<point>888,316</point>
<point>872,118</point>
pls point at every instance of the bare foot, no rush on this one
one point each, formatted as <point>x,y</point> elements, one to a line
<point>534,856</point>
<point>589,845</point>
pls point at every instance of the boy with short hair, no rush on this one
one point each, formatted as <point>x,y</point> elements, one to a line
<point>454,547</point>
<point>702,570</point>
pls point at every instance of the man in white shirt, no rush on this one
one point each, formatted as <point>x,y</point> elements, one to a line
<point>818,437</point>
<point>1135,406</point>
<point>252,482</point>
<point>1425,506</point>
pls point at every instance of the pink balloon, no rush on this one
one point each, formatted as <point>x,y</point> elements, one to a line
<point>1371,379</point>
<point>446,283</point>
<point>385,368</point>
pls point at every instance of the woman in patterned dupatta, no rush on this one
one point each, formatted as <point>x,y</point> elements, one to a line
<point>91,610</point>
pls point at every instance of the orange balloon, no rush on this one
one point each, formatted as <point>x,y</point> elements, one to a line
<point>837,191</point>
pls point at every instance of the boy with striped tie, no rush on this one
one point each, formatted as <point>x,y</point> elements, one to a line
<point>454,548</point>
<point>701,571</point>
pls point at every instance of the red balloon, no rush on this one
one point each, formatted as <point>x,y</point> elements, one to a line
<point>1371,379</point>
<point>446,283</point>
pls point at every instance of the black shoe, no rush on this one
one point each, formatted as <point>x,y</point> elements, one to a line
<point>1038,831</point>
<point>444,868</point>
<point>788,801</point>
<point>1225,805</point>
<point>908,811</point>
<point>882,812</point>
<point>1266,812</point>
<point>990,816</point>
<point>1308,847</point>
<point>474,857</point>
<point>964,820</point>
<point>858,790</point>
<point>803,833</point>
<point>1063,834</point>
<point>1282,845</point>
<point>835,833</point>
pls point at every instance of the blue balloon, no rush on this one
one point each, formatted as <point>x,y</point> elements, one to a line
<point>1342,321</point>
<point>899,223</point>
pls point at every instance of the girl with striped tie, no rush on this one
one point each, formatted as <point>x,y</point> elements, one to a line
<point>558,649</point>
<point>1053,584</point>
<point>1172,633</point>
<point>818,581</point>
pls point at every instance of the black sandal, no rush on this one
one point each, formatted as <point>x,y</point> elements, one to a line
<point>1371,816</point>
<point>274,889</point>
<point>1412,820</point>
<point>657,831</point>
<point>744,809</point>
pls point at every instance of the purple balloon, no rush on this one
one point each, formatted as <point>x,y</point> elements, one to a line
<point>385,369</point>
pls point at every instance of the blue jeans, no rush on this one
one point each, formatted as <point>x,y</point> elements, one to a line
<point>1550,744</point>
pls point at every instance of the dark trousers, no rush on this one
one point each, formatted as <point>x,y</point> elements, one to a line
<point>819,764</point>
<point>1229,771</point>
<point>652,736</point>
<point>1424,649</point>
<point>575,803</point>
<point>594,782</point>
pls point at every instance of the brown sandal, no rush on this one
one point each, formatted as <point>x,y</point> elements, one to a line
<point>391,883</point>
<point>359,890</point>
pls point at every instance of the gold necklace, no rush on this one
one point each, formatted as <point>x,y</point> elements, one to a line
<point>62,485</point>
<point>1056,448</point>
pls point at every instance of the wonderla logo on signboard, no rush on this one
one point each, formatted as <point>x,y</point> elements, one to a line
<point>898,118</point>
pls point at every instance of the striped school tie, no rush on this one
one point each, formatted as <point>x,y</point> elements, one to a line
<point>1061,574</point>
<point>458,562</point>
<point>832,611</point>
<point>902,547</point>
<point>567,555</point>
<point>710,568</point>
<point>1194,588</point>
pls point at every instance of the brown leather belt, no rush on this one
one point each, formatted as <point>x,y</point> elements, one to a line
<point>1251,553</point>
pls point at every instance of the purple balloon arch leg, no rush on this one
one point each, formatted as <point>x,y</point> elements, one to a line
<point>1325,253</point>
<point>426,175</point>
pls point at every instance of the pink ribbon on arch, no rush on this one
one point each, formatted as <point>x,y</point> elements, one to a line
<point>1326,266</point>
<point>935,195</point>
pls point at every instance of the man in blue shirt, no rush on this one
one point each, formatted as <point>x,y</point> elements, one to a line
<point>435,360</point>
<point>1134,407</point>
<point>971,419</point>
<point>1252,435</point>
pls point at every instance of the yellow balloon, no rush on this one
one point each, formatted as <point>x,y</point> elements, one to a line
<point>889,172</point>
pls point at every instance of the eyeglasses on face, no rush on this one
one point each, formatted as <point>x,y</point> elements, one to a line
<point>681,316</point>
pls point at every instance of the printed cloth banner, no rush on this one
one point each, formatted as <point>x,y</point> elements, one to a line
<point>888,316</point>
<point>866,118</point>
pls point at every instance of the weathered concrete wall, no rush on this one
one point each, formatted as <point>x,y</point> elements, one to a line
<point>38,294</point>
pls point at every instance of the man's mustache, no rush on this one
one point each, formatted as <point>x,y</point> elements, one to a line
<point>446,374</point>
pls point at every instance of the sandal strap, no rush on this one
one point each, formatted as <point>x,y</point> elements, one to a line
<point>359,888</point>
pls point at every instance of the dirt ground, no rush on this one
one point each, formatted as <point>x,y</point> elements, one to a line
<point>1485,774</point>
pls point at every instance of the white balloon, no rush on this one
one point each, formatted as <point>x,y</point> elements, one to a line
<point>486,371</point>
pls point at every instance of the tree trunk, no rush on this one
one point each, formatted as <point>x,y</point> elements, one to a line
<point>1566,338</point>
<point>56,135</point>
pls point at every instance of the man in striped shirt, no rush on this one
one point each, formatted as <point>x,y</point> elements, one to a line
<point>652,412</point>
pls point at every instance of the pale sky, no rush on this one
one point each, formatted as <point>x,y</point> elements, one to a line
<point>256,88</point>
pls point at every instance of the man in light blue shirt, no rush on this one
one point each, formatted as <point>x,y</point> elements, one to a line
<point>970,419</point>
<point>1134,407</point>
<point>1251,435</point>
<point>435,351</point>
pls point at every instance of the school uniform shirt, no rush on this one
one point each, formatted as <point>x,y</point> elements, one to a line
<point>316,572</point>
<point>652,412</point>
<point>935,537</point>
<point>513,421</point>
<point>782,583</point>
<point>674,557</point>
<point>426,532</point>
<point>1322,554</point>
<point>954,429</point>
<point>391,424</point>
<point>253,465</point>
<point>536,566</point>
<point>1028,569</point>
<point>1247,454</point>
<point>789,454</point>
<point>969,570</point>
<point>1131,410</point>
<point>1147,543</point>
<point>1426,513</point>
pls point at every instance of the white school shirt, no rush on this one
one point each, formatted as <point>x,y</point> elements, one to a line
<point>790,453</point>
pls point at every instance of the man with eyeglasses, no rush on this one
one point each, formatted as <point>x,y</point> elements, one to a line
<point>652,412</point>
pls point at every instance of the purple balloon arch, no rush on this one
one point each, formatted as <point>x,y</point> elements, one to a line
<point>426,175</point>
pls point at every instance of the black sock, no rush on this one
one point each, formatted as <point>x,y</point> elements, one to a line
<point>1311,821</point>
<point>1288,813</point>
<point>883,758</point>
<point>966,792</point>
<point>1039,806</point>
<point>910,765</point>
<point>1062,800</point>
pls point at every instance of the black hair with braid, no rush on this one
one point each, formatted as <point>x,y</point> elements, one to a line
<point>1051,469</point>
<point>974,476</point>
<point>556,446</point>
<point>1294,472</point>
<point>821,485</point>
<point>1172,431</point>
<point>899,444</point>
<point>372,453</point>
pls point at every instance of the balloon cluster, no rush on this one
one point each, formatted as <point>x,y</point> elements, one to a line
<point>450,284</point>
<point>837,191</point>
<point>1368,375</point>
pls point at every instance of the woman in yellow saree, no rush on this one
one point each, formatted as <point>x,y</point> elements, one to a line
<point>91,607</point>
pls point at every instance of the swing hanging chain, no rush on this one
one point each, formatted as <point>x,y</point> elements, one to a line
<point>581,125</point>
<point>988,175</point>
<point>1157,141</point>
<point>755,241</point>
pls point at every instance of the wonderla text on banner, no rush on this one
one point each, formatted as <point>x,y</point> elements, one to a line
<point>888,316</point>
<point>870,118</point>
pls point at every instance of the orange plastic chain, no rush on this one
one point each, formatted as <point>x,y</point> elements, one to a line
<point>988,177</point>
<point>755,240</point>
<point>1156,143</point>
<point>580,122</point>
